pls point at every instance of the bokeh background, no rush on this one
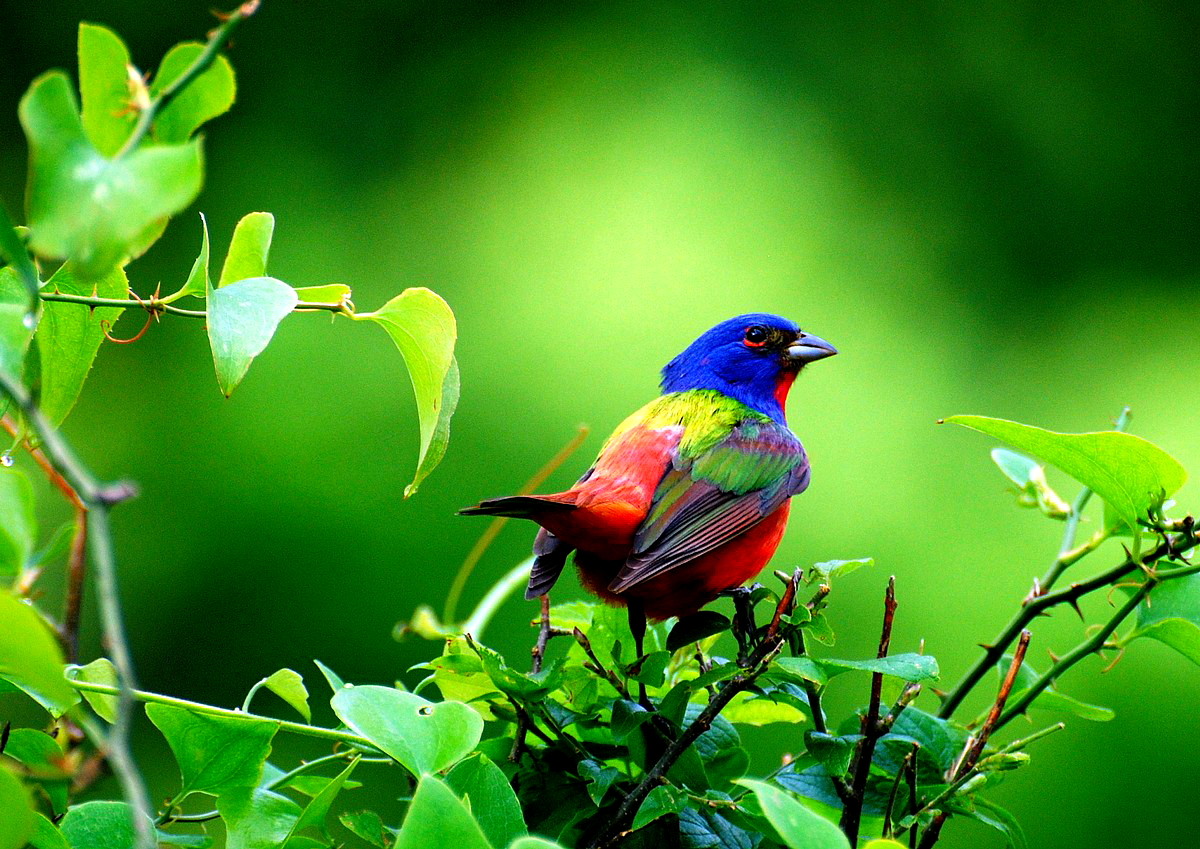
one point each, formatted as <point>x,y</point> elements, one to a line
<point>989,208</point>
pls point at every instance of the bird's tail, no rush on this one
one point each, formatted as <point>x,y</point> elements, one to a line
<point>521,506</point>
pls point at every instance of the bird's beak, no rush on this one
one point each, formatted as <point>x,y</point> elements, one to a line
<point>808,349</point>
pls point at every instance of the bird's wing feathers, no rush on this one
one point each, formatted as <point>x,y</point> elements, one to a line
<point>714,491</point>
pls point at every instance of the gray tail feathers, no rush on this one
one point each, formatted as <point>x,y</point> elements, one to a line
<point>547,565</point>
<point>517,506</point>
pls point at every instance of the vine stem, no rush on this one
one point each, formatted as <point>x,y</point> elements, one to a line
<point>213,710</point>
<point>201,64</point>
<point>157,305</point>
<point>99,498</point>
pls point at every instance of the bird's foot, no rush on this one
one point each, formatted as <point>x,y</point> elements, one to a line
<point>744,627</point>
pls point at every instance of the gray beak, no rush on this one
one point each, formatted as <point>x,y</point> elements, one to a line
<point>808,349</point>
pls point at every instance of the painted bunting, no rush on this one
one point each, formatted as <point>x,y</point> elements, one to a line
<point>689,496</point>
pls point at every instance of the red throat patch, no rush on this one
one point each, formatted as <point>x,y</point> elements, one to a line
<point>784,386</point>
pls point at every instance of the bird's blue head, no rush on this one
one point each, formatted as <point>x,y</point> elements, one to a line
<point>753,358</point>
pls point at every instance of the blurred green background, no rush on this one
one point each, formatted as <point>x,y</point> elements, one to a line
<point>990,208</point>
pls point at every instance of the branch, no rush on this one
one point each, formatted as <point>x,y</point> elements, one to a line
<point>99,498</point>
<point>68,632</point>
<point>872,728</point>
<point>964,769</point>
<point>757,664</point>
<point>1171,547</point>
<point>1089,646</point>
<point>201,64</point>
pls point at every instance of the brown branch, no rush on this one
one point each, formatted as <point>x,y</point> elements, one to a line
<point>872,728</point>
<point>539,648</point>
<point>976,743</point>
<point>758,663</point>
<point>68,632</point>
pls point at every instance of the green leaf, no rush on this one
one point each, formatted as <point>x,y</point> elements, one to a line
<point>749,709</point>
<point>941,739</point>
<point>100,825</point>
<point>692,629</point>
<point>30,657</point>
<point>996,817</point>
<point>599,778</point>
<point>45,835</point>
<point>421,735</point>
<point>884,843</point>
<point>534,843</point>
<point>100,671</point>
<point>15,329</point>
<point>43,757</point>
<point>332,678</point>
<point>804,668</point>
<point>214,752</point>
<point>832,751</point>
<point>799,827</point>
<point>331,293</point>
<point>104,80</point>
<point>437,817</point>
<point>825,572</point>
<point>249,248</point>
<point>423,328</point>
<point>197,283</point>
<point>289,686</point>
<point>1032,488</point>
<point>12,249</point>
<point>17,822</point>
<point>207,96</point>
<point>256,818</point>
<point>84,206</point>
<point>242,318</point>
<point>660,802</point>
<point>491,797</point>
<point>906,667</point>
<point>70,335</point>
<point>365,824</point>
<point>18,525</point>
<point>315,812</point>
<point>1128,472</point>
<point>1171,615</point>
<point>1051,698</point>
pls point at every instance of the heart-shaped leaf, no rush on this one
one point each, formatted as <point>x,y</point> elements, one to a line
<point>214,752</point>
<point>1172,616</point>
<point>289,686</point>
<point>30,657</point>
<point>100,825</point>
<point>206,97</point>
<point>17,823</point>
<point>249,248</point>
<point>1128,472</point>
<point>242,318</point>
<point>423,328</point>
<point>423,736</point>
<point>18,525</point>
<point>70,335</point>
<point>437,817</point>
<point>104,79</point>
<point>89,208</point>
<point>100,671</point>
<point>492,799</point>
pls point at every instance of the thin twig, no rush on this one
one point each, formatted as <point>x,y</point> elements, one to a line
<point>909,763</point>
<point>538,654</point>
<point>871,728</point>
<point>158,305</point>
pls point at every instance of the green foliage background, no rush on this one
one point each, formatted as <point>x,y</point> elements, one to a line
<point>988,209</point>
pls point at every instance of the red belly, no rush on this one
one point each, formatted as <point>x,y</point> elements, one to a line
<point>686,588</point>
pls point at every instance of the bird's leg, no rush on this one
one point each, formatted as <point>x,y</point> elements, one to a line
<point>637,625</point>
<point>743,621</point>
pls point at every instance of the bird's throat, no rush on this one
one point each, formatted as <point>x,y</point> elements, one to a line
<point>786,379</point>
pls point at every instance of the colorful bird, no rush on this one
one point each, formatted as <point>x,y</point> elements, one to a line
<point>689,496</point>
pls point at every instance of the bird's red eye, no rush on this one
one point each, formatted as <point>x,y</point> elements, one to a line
<point>756,336</point>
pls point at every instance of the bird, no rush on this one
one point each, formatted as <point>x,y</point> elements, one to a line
<point>689,497</point>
